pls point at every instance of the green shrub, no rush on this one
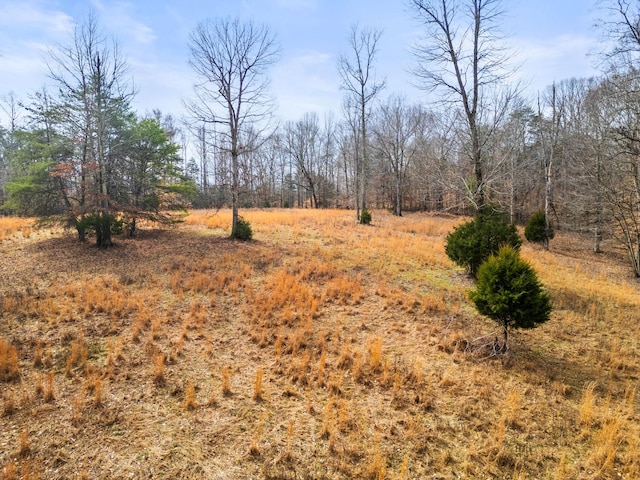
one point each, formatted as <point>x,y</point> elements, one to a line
<point>365,217</point>
<point>471,243</point>
<point>536,229</point>
<point>242,230</point>
<point>101,223</point>
<point>508,291</point>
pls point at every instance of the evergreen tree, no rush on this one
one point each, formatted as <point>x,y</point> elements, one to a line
<point>470,244</point>
<point>537,230</point>
<point>509,292</point>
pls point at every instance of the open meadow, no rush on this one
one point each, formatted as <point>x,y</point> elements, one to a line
<point>322,349</point>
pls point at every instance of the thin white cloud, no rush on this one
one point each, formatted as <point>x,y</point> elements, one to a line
<point>25,15</point>
<point>120,18</point>
<point>558,58</point>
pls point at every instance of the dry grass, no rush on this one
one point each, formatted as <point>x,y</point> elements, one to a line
<point>323,349</point>
<point>11,227</point>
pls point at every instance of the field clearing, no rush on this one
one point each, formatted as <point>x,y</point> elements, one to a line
<point>323,349</point>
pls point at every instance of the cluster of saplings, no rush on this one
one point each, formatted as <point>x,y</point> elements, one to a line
<point>507,288</point>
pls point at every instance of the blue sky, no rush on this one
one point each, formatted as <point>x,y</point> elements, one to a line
<point>551,40</point>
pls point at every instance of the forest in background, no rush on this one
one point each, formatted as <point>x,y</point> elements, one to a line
<point>79,153</point>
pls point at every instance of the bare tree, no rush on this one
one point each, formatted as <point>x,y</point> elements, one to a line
<point>302,143</point>
<point>231,59</point>
<point>10,106</point>
<point>621,177</point>
<point>550,139</point>
<point>397,133</point>
<point>620,28</point>
<point>460,57</point>
<point>621,181</point>
<point>358,80</point>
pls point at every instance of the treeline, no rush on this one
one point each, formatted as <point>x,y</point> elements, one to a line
<point>81,155</point>
<point>576,148</point>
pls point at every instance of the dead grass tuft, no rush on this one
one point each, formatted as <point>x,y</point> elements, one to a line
<point>9,368</point>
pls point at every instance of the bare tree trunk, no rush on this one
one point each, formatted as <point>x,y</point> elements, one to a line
<point>356,73</point>
<point>461,58</point>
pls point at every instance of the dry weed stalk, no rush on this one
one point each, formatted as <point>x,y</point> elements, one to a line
<point>9,368</point>
<point>254,450</point>
<point>49,395</point>
<point>97,391</point>
<point>257,386</point>
<point>416,375</point>
<point>404,467</point>
<point>135,331</point>
<point>357,367</point>
<point>630,400</point>
<point>289,451</point>
<point>77,406</point>
<point>499,436</point>
<point>24,445</point>
<point>328,420</point>
<point>300,368</point>
<point>158,368</point>
<point>375,353</point>
<point>226,381</point>
<point>77,355</point>
<point>156,326</point>
<point>606,443</point>
<point>38,354</point>
<point>345,359</point>
<point>335,382</point>
<point>278,347</point>
<point>561,471</point>
<point>9,471</point>
<point>190,396</point>
<point>345,421</point>
<point>587,414</point>
<point>398,385</point>
<point>9,403</point>
<point>377,469</point>
<point>322,363</point>
<point>512,406</point>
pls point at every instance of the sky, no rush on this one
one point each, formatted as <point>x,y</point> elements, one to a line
<point>551,40</point>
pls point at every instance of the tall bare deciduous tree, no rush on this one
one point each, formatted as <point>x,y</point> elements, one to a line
<point>621,26</point>
<point>397,134</point>
<point>461,58</point>
<point>358,80</point>
<point>550,140</point>
<point>231,59</point>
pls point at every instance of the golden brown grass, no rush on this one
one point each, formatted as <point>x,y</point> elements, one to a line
<point>323,349</point>
<point>9,367</point>
<point>10,226</point>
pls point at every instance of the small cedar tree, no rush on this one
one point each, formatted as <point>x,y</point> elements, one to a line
<point>365,217</point>
<point>243,230</point>
<point>509,292</point>
<point>471,243</point>
<point>537,230</point>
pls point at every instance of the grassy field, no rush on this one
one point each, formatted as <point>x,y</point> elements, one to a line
<point>323,349</point>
